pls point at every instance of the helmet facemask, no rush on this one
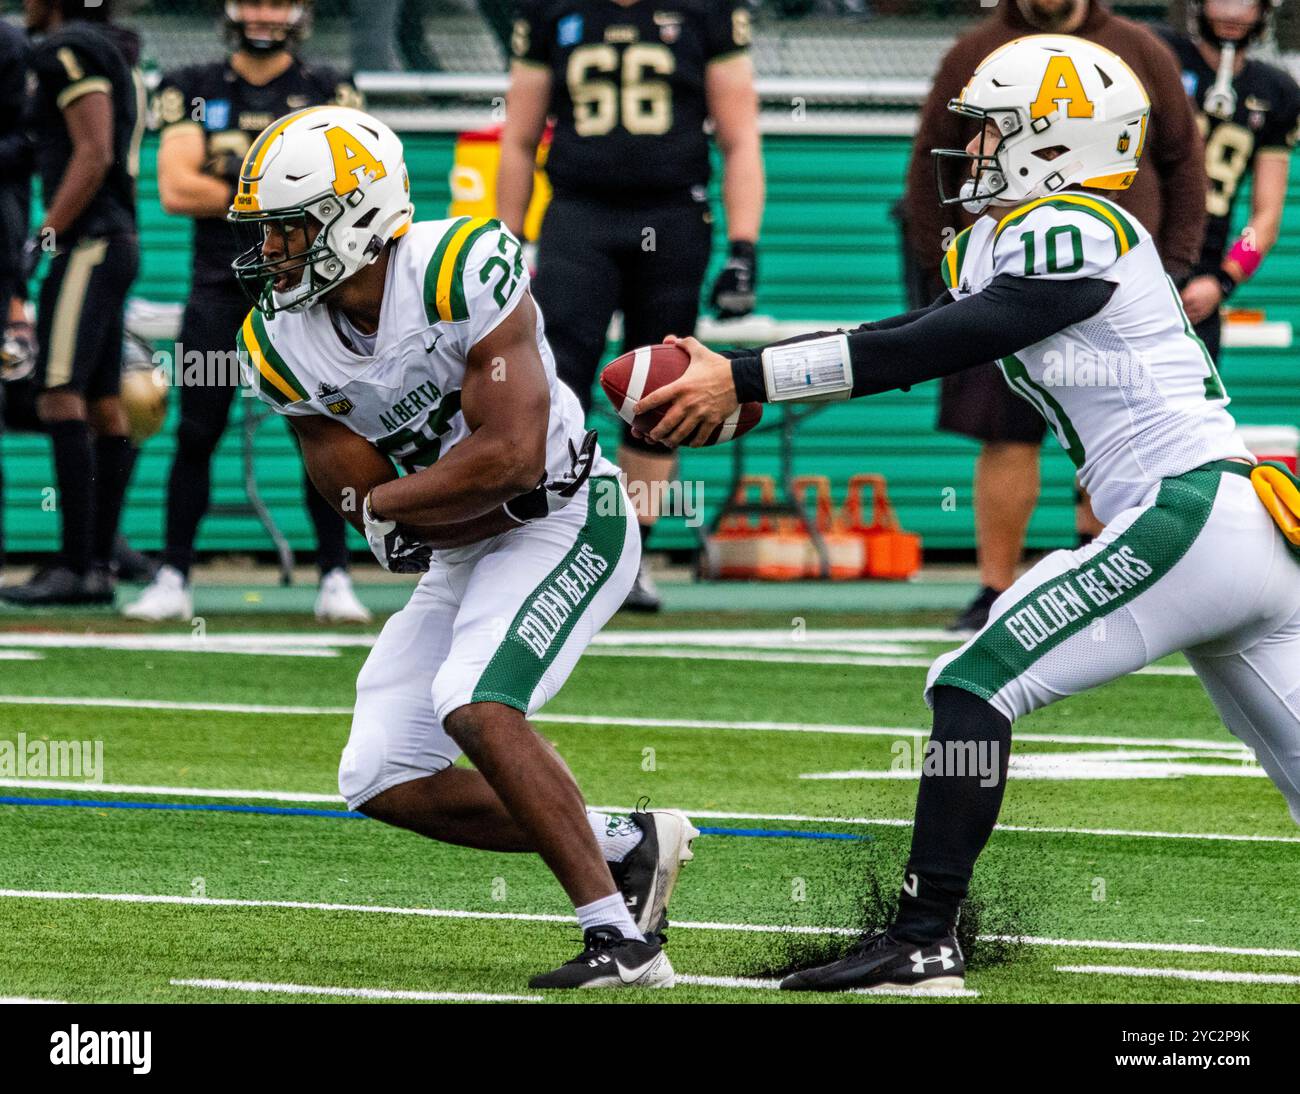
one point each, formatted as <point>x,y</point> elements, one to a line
<point>319,266</point>
<point>989,177</point>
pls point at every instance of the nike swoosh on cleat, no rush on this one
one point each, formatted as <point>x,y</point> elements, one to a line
<point>631,976</point>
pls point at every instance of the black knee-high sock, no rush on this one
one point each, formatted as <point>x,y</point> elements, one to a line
<point>331,531</point>
<point>957,806</point>
<point>114,460</point>
<point>74,472</point>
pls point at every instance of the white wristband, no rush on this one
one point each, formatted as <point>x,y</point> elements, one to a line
<point>816,370</point>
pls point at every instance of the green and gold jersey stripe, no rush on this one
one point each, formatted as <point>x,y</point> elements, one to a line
<point>277,379</point>
<point>951,268</point>
<point>444,277</point>
<point>1017,376</point>
<point>1126,236</point>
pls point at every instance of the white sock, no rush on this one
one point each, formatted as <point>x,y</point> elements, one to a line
<point>609,911</point>
<point>615,834</point>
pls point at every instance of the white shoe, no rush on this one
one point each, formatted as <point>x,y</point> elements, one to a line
<point>168,596</point>
<point>337,601</point>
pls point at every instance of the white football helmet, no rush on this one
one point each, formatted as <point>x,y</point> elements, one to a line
<point>1069,113</point>
<point>331,169</point>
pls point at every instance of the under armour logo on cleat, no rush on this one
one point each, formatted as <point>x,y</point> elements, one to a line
<point>944,957</point>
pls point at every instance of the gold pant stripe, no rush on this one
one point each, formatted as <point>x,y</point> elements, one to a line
<point>85,256</point>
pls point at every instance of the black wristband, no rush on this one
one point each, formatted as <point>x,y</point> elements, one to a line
<point>1227,283</point>
<point>747,376</point>
<point>743,249</point>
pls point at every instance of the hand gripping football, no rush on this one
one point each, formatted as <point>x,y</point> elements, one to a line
<point>631,377</point>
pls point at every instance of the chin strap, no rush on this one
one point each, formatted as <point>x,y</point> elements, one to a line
<point>1221,99</point>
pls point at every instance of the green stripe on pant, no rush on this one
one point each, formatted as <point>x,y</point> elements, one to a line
<point>1063,606</point>
<point>548,615</point>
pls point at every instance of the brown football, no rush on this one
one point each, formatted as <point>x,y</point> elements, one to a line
<point>631,377</point>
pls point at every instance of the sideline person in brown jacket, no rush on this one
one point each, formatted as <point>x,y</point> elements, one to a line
<point>1167,196</point>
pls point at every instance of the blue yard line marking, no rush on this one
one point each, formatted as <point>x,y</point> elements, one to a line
<point>189,807</point>
<point>775,833</point>
<point>347,814</point>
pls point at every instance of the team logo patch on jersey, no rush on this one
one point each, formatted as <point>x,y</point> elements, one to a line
<point>568,32</point>
<point>216,114</point>
<point>670,26</point>
<point>335,401</point>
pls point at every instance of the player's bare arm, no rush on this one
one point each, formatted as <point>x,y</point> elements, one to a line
<point>184,188</point>
<point>527,100</point>
<point>89,119</point>
<point>1205,293</point>
<point>506,403</point>
<point>342,465</point>
<point>733,105</point>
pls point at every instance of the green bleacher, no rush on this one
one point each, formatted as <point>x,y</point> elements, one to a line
<point>829,252</point>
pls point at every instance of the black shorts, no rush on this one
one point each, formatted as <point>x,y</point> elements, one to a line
<point>80,316</point>
<point>595,258</point>
<point>978,402</point>
<point>213,316</point>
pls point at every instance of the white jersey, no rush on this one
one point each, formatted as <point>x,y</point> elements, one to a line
<point>449,284</point>
<point>1131,393</point>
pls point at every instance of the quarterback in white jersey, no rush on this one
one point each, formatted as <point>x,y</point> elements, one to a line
<point>1201,549</point>
<point>381,340</point>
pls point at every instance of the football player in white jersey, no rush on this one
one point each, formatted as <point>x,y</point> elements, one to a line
<point>1201,550</point>
<point>382,338</point>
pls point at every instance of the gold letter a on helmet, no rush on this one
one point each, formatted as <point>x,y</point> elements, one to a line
<point>349,155</point>
<point>1061,82</point>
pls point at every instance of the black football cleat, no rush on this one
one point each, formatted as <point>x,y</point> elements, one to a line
<point>55,585</point>
<point>976,613</point>
<point>647,875</point>
<point>131,565</point>
<point>883,962</point>
<point>643,596</point>
<point>98,586</point>
<point>608,960</point>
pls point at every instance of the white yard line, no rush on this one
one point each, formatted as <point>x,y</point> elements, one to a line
<point>691,653</point>
<point>356,993</point>
<point>765,646</point>
<point>21,655</point>
<point>1216,976</point>
<point>1144,947</point>
<point>611,720</point>
<point>280,645</point>
<point>536,917</point>
<point>772,985</point>
<point>170,791</point>
<point>24,999</point>
<point>166,704</point>
<point>698,814</point>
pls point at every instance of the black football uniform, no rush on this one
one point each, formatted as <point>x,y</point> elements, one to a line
<point>628,226</point>
<point>1266,117</point>
<point>230,113</point>
<point>83,295</point>
<point>15,162</point>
